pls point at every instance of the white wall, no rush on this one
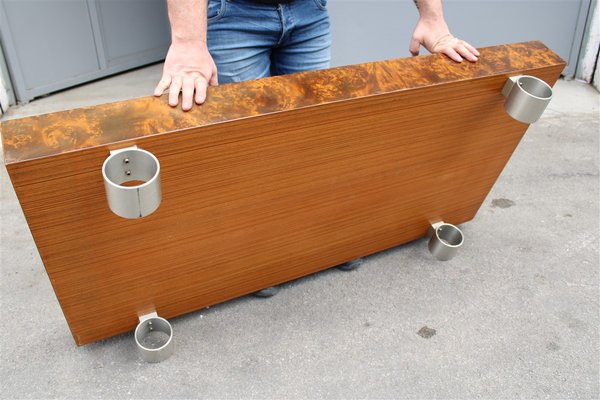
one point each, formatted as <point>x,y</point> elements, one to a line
<point>596,81</point>
<point>589,52</point>
<point>6,93</point>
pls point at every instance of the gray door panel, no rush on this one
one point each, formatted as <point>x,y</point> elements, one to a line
<point>53,44</point>
<point>132,28</point>
<point>52,40</point>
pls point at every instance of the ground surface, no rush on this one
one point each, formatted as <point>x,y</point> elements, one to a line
<point>514,315</point>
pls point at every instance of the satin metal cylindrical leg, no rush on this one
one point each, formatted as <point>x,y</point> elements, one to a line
<point>148,324</point>
<point>526,97</point>
<point>444,240</point>
<point>132,182</point>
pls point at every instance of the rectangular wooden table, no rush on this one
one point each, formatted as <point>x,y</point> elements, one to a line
<point>268,181</point>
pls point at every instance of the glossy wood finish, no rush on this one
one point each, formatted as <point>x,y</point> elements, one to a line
<point>270,180</point>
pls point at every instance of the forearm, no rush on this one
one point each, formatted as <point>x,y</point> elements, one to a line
<point>189,68</point>
<point>188,20</point>
<point>430,9</point>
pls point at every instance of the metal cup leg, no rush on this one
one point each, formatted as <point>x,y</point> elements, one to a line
<point>142,170</point>
<point>148,323</point>
<point>526,97</point>
<point>444,240</point>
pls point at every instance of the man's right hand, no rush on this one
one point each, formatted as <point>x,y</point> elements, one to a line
<point>189,69</point>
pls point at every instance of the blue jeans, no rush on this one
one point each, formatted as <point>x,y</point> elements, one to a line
<point>250,40</point>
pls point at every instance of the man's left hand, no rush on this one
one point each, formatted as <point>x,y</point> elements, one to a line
<point>435,36</point>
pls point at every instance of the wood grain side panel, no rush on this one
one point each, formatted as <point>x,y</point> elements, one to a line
<point>270,180</point>
<point>255,202</point>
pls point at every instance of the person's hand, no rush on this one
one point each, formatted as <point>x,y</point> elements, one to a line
<point>435,36</point>
<point>189,69</point>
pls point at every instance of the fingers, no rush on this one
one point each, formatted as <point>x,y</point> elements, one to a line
<point>466,53</point>
<point>192,90</point>
<point>214,79</point>
<point>458,50</point>
<point>163,84</point>
<point>174,90</point>
<point>414,47</point>
<point>201,85</point>
<point>471,48</point>
<point>447,44</point>
<point>187,90</point>
<point>450,52</point>
<point>466,50</point>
